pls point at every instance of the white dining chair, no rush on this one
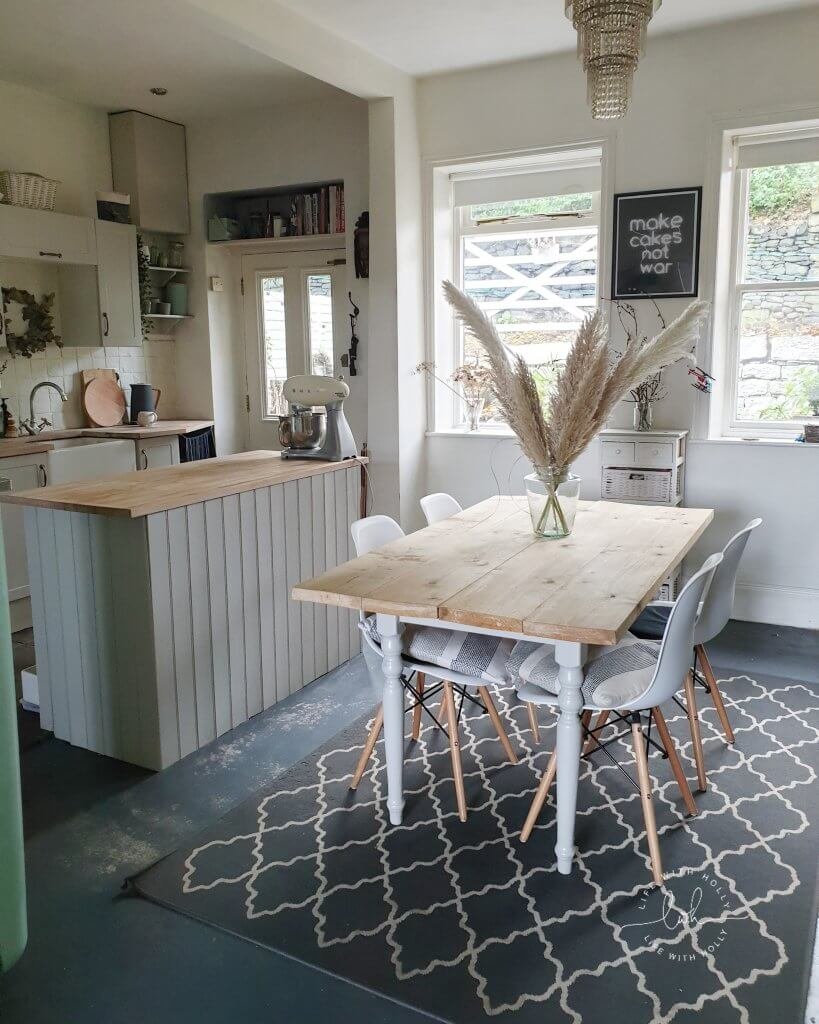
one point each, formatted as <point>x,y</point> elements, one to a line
<point>460,661</point>
<point>717,608</point>
<point>439,506</point>
<point>629,680</point>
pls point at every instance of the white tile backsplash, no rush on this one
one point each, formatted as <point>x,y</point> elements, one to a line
<point>153,362</point>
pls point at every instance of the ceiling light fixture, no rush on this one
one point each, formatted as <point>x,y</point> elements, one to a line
<point>611,35</point>
<point>159,90</point>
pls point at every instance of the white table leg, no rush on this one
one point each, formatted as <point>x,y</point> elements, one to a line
<point>570,658</point>
<point>393,703</point>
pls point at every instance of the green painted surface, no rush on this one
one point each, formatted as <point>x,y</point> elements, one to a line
<point>13,932</point>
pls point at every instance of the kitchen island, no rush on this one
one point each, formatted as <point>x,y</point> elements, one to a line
<point>160,598</point>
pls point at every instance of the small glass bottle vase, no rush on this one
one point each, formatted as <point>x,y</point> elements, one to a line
<point>474,411</point>
<point>552,495</point>
<point>643,415</point>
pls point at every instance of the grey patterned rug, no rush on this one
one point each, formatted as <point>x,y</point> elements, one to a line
<point>465,923</point>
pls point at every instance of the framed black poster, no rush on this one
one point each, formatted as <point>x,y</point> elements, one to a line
<point>656,244</point>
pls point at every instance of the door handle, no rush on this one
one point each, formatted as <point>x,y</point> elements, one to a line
<point>56,255</point>
<point>107,325</point>
<point>42,475</point>
<point>337,263</point>
<point>144,459</point>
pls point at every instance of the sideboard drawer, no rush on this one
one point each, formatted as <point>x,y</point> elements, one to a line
<point>655,453</point>
<point>618,453</point>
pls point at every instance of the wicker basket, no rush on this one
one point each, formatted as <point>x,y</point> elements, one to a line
<point>637,484</point>
<point>21,188</point>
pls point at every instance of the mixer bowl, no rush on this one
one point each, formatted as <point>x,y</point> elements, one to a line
<point>303,429</point>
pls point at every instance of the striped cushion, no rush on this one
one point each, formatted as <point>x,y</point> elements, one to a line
<point>613,676</point>
<point>476,655</point>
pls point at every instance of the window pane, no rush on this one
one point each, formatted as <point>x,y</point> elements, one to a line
<point>537,286</point>
<point>320,311</point>
<point>782,243</point>
<point>275,344</point>
<point>778,355</point>
<point>579,202</point>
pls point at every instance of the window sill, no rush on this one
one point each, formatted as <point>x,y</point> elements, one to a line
<point>493,432</point>
<point>766,442</point>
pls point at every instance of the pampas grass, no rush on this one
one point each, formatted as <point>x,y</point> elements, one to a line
<point>588,388</point>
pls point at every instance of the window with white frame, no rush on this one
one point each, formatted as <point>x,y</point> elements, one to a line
<point>770,262</point>
<point>525,246</point>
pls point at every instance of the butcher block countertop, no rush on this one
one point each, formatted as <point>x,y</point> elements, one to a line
<point>25,445</point>
<point>144,492</point>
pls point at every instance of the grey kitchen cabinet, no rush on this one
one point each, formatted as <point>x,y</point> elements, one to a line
<point>154,453</point>
<point>23,473</point>
<point>46,236</point>
<point>149,162</point>
<point>120,320</point>
<point>101,306</point>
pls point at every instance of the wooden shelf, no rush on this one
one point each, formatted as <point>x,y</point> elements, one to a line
<point>171,270</point>
<point>168,316</point>
<point>336,241</point>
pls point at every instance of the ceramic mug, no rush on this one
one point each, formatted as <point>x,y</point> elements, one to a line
<point>146,418</point>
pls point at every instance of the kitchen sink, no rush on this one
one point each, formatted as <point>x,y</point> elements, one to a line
<point>86,458</point>
<point>60,443</point>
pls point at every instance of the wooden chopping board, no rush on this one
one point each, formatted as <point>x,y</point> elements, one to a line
<point>86,376</point>
<point>104,402</point>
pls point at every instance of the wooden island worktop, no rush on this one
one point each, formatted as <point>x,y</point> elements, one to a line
<point>161,598</point>
<point>143,493</point>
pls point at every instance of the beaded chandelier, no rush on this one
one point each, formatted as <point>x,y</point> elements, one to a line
<point>610,38</point>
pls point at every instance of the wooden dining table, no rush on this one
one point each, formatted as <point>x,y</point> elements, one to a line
<point>483,570</point>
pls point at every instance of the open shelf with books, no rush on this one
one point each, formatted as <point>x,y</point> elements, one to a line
<point>293,211</point>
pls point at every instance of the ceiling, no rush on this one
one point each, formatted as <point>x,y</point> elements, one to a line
<point>427,36</point>
<point>109,53</point>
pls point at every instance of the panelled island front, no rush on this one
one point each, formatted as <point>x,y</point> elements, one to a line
<point>161,604</point>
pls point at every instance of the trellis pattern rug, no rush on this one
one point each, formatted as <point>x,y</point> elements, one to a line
<point>465,923</point>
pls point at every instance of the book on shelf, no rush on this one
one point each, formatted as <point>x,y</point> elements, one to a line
<point>320,212</point>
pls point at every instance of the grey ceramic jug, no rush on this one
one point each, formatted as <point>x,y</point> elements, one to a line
<point>144,398</point>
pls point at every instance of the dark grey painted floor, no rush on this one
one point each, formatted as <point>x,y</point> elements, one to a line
<point>96,957</point>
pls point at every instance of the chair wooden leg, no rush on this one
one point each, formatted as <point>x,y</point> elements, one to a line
<point>694,725</point>
<point>644,779</point>
<point>591,742</point>
<point>533,723</point>
<point>674,761</point>
<point>716,696</point>
<point>540,797</point>
<point>455,749</point>
<point>489,704</point>
<point>416,711</point>
<point>369,746</point>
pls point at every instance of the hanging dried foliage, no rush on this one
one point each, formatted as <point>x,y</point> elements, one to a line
<point>38,318</point>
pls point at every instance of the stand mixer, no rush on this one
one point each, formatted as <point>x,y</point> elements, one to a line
<point>306,434</point>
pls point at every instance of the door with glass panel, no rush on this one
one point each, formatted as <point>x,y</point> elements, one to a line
<point>294,323</point>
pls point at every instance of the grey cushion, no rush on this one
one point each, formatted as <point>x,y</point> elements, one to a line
<point>613,676</point>
<point>476,655</point>
<point>651,622</point>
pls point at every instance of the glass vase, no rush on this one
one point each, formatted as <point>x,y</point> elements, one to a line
<point>474,411</point>
<point>553,495</point>
<point>643,415</point>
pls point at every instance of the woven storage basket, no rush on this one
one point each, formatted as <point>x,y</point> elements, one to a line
<point>21,188</point>
<point>637,484</point>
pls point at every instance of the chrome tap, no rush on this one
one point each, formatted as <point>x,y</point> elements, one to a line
<point>29,425</point>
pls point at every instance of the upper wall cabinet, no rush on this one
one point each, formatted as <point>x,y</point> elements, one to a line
<point>102,308</point>
<point>149,162</point>
<point>43,235</point>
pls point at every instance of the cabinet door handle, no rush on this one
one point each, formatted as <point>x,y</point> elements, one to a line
<point>144,459</point>
<point>56,255</point>
<point>107,325</point>
<point>42,475</point>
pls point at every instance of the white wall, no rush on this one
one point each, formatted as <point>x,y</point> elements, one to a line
<point>684,83</point>
<point>258,149</point>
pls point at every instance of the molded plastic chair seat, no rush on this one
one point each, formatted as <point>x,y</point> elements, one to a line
<point>477,655</point>
<point>439,506</point>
